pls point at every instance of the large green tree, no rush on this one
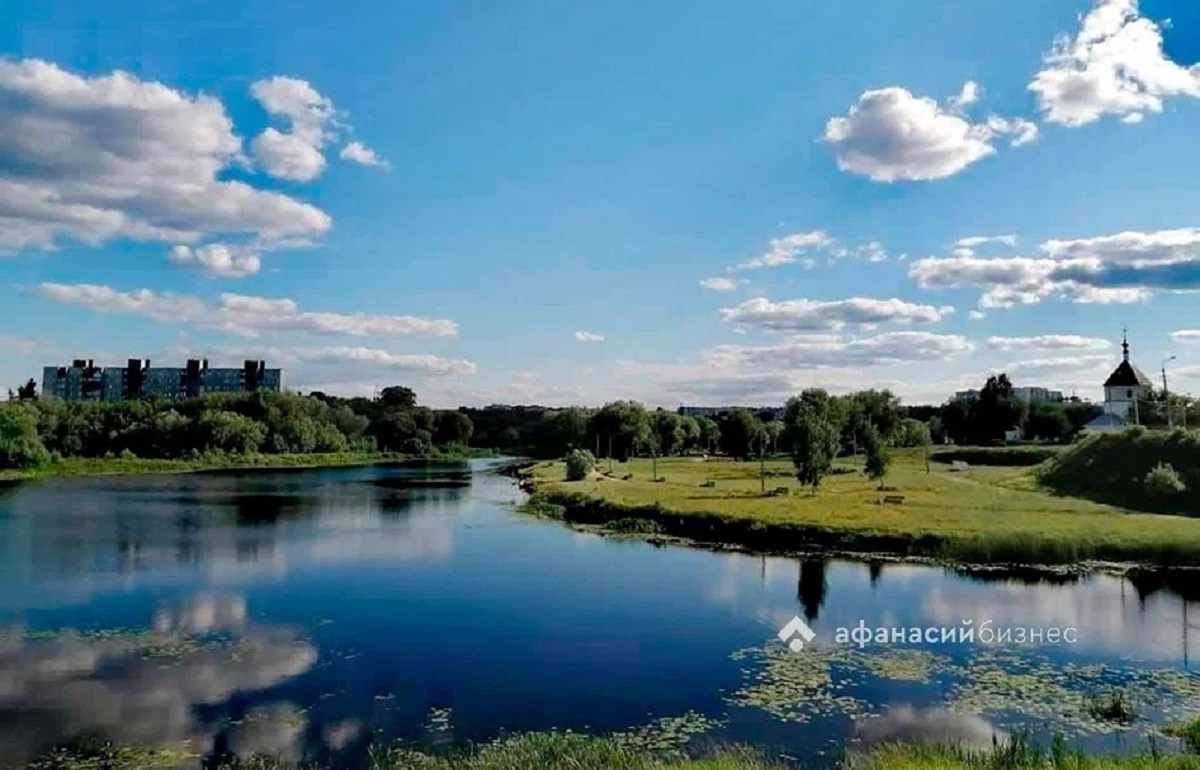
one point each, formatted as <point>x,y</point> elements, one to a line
<point>668,431</point>
<point>622,425</point>
<point>812,436</point>
<point>741,434</point>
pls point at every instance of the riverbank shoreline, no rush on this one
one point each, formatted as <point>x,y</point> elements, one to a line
<point>118,466</point>
<point>1000,524</point>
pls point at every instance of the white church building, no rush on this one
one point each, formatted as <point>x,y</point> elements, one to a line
<point>1122,390</point>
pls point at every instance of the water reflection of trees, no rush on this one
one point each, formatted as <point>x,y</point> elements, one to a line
<point>147,688</point>
<point>812,586</point>
<point>70,530</point>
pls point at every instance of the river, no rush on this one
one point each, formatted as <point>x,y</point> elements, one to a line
<point>307,614</point>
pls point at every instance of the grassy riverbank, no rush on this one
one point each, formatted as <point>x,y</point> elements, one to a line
<point>982,514</point>
<point>84,466</point>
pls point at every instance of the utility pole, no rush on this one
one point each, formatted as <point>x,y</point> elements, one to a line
<point>610,453</point>
<point>762,465</point>
<point>1167,393</point>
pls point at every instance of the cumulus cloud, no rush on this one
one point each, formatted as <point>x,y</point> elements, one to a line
<point>786,250</point>
<point>1049,342</point>
<point>357,152</point>
<point>98,159</point>
<point>815,315</point>
<point>1059,365</point>
<point>819,351</point>
<point>1123,268</point>
<point>719,284</point>
<point>967,96</point>
<point>239,314</point>
<point>1115,65</point>
<point>891,135</point>
<point>405,362</point>
<point>218,259</point>
<point>589,337</point>
<point>295,155</point>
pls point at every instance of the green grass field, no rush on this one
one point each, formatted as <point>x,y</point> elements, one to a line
<point>982,514</point>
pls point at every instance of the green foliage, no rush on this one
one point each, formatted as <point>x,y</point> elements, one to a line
<point>229,432</point>
<point>877,458</point>
<point>740,434</point>
<point>710,434</point>
<point>912,433</point>
<point>453,428</point>
<point>1112,707</point>
<point>1164,481</point>
<point>579,462</point>
<point>20,445</point>
<point>28,391</point>
<point>623,425</point>
<point>669,431</point>
<point>814,440</point>
<point>1188,734</point>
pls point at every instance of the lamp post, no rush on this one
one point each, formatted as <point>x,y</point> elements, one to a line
<point>1167,393</point>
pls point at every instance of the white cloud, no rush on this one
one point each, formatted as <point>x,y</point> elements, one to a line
<point>1186,335</point>
<point>786,250</point>
<point>295,155</point>
<point>976,315</point>
<point>1115,65</point>
<point>975,241</point>
<point>406,362</point>
<point>967,96</point>
<point>891,135</point>
<point>1063,366</point>
<point>1022,131</point>
<point>287,156</point>
<point>589,337</point>
<point>98,159</point>
<point>242,315</point>
<point>1049,342</point>
<point>218,259</point>
<point>818,351</point>
<point>719,284</point>
<point>815,315</point>
<point>1123,268</point>
<point>359,153</point>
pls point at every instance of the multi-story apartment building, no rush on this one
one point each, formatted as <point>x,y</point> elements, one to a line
<point>83,381</point>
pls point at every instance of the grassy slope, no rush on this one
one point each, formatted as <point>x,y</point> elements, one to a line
<point>83,466</point>
<point>984,514</point>
<point>1112,469</point>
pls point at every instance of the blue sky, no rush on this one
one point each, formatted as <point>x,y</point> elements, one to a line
<point>467,197</point>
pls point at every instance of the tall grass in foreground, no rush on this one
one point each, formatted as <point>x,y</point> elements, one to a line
<point>1019,753</point>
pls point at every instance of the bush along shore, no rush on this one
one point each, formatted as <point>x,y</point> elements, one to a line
<point>1007,512</point>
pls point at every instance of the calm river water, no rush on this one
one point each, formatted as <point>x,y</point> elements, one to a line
<point>307,614</point>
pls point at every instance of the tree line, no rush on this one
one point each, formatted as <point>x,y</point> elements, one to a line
<point>34,431</point>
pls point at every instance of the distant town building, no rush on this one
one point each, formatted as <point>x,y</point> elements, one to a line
<point>1122,390</point>
<point>84,381</point>
<point>1036,395</point>
<point>1030,394</point>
